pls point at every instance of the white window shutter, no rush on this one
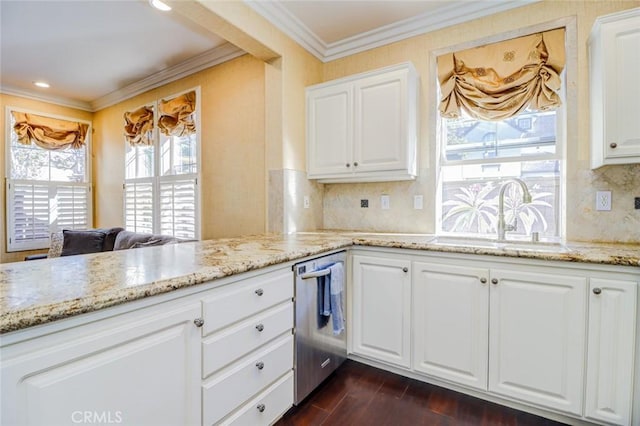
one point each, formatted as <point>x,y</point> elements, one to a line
<point>178,207</point>
<point>138,205</point>
<point>28,215</point>
<point>70,207</point>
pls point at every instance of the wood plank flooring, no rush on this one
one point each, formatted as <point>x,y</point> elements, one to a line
<point>357,394</point>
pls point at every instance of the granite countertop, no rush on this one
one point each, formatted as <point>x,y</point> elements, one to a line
<point>41,291</point>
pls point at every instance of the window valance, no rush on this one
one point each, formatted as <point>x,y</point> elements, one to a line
<point>499,80</point>
<point>49,133</point>
<point>138,128</point>
<point>176,115</point>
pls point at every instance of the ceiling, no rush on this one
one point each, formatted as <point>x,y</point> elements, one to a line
<point>95,53</point>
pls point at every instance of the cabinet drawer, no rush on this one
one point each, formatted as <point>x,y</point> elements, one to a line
<point>235,302</point>
<point>235,342</point>
<point>228,391</point>
<point>267,407</point>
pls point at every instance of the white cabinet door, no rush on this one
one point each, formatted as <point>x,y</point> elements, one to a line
<point>615,94</point>
<point>381,300</point>
<point>143,369</point>
<point>537,338</point>
<point>612,320</point>
<point>451,323</point>
<point>330,130</point>
<point>381,122</point>
<point>364,128</point>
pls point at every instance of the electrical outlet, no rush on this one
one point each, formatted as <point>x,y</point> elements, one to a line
<point>385,202</point>
<point>636,203</point>
<point>418,202</point>
<point>603,200</point>
<point>306,202</point>
<point>364,204</point>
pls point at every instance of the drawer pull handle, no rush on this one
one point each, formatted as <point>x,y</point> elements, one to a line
<point>260,365</point>
<point>494,281</point>
<point>483,280</point>
<point>405,269</point>
<point>597,290</point>
<point>348,165</point>
<point>199,322</point>
<point>259,327</point>
<point>259,292</point>
<point>613,145</point>
<point>261,407</point>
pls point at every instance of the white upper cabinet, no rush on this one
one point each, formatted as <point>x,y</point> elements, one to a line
<point>364,128</point>
<point>614,58</point>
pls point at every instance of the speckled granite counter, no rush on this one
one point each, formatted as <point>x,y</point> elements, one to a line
<point>42,291</point>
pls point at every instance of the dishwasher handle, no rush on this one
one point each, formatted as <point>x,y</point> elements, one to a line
<point>318,273</point>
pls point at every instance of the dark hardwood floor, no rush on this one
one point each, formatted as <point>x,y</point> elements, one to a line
<point>357,394</point>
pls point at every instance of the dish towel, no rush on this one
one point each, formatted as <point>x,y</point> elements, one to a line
<point>336,284</point>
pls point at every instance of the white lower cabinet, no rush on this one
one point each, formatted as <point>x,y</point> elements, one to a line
<point>146,365</point>
<point>612,313</point>
<point>537,338</point>
<point>142,368</point>
<point>382,309</point>
<point>451,323</point>
<point>558,338</point>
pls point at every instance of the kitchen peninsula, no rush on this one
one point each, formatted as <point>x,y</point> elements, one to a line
<point>164,313</point>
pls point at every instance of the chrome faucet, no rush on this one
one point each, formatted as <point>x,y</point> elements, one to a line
<point>526,198</point>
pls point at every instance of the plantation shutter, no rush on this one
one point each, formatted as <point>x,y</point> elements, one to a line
<point>178,207</point>
<point>37,209</point>
<point>138,205</point>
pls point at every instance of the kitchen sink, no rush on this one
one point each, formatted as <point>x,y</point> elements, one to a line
<point>547,247</point>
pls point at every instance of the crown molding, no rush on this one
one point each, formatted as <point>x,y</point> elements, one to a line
<point>454,14</point>
<point>287,22</point>
<point>57,100</point>
<point>218,55</point>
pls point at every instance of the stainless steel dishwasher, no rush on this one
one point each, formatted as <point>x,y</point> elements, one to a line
<point>318,351</point>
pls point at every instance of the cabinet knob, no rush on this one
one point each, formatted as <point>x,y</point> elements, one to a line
<point>355,164</point>
<point>483,280</point>
<point>261,407</point>
<point>260,365</point>
<point>613,145</point>
<point>259,292</point>
<point>348,165</point>
<point>199,322</point>
<point>405,269</point>
<point>494,281</point>
<point>597,290</point>
<point>259,327</point>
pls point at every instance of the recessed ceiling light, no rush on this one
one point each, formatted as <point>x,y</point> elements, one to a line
<point>160,5</point>
<point>42,84</point>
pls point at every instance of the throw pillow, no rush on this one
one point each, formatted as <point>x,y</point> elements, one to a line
<point>155,242</point>
<point>110,238</point>
<point>126,239</point>
<point>55,247</point>
<point>82,242</point>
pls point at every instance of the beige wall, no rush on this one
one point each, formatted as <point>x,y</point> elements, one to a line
<point>341,201</point>
<point>36,106</point>
<point>232,148</point>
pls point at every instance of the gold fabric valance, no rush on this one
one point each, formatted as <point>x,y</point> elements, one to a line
<point>500,80</point>
<point>49,133</point>
<point>176,115</point>
<point>138,128</point>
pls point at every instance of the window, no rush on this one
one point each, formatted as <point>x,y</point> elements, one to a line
<point>161,168</point>
<point>48,185</point>
<point>481,148</point>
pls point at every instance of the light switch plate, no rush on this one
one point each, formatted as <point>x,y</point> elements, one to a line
<point>603,200</point>
<point>385,202</point>
<point>418,202</point>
